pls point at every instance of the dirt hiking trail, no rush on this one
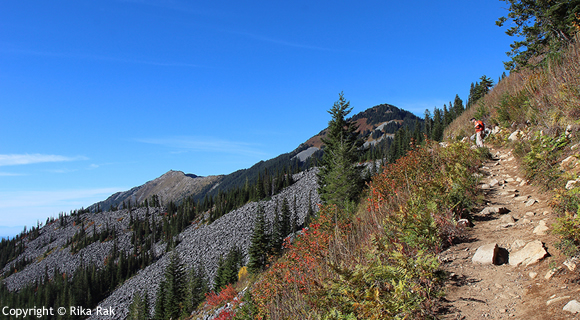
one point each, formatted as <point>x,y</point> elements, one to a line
<point>509,267</point>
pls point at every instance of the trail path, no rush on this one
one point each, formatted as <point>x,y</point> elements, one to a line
<point>500,290</point>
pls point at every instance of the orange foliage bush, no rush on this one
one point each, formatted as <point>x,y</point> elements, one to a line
<point>289,286</point>
<point>217,300</point>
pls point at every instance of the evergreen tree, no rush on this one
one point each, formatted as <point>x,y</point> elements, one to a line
<point>174,291</point>
<point>285,220</point>
<point>258,250</point>
<point>198,287</point>
<point>310,212</point>
<point>160,302</point>
<point>541,27</point>
<point>457,106</point>
<point>446,116</point>
<point>484,87</point>
<point>428,123</point>
<point>438,125</point>
<point>139,308</point>
<point>276,236</point>
<point>340,179</point>
<point>227,271</point>
<point>294,217</point>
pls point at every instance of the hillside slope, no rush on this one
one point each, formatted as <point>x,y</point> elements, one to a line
<point>200,244</point>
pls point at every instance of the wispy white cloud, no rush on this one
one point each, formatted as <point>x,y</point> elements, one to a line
<point>10,174</point>
<point>181,6</point>
<point>18,208</point>
<point>281,42</point>
<point>31,199</point>
<point>22,159</point>
<point>207,144</point>
<point>62,170</point>
<point>67,55</point>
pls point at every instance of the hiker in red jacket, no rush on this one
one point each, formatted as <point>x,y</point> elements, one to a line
<point>479,130</point>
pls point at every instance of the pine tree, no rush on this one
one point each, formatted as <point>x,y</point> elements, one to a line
<point>540,27</point>
<point>310,212</point>
<point>428,123</point>
<point>160,302</point>
<point>438,126</point>
<point>258,250</point>
<point>446,116</point>
<point>470,100</point>
<point>198,287</point>
<point>175,287</point>
<point>139,308</point>
<point>340,179</point>
<point>227,271</point>
<point>294,217</point>
<point>285,220</point>
<point>276,236</point>
<point>457,106</point>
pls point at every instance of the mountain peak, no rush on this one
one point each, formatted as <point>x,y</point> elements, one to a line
<point>171,186</point>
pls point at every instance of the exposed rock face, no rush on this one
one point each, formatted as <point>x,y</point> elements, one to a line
<point>200,244</point>
<point>172,186</point>
<point>303,155</point>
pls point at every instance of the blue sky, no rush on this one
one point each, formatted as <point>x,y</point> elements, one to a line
<point>101,96</point>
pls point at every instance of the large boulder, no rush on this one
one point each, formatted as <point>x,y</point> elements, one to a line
<point>486,254</point>
<point>532,253</point>
<point>515,136</point>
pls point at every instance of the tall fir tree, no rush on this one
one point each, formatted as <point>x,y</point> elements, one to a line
<point>139,308</point>
<point>285,219</point>
<point>227,271</point>
<point>438,125</point>
<point>457,106</point>
<point>541,28</point>
<point>197,288</point>
<point>258,250</point>
<point>276,235</point>
<point>159,313</point>
<point>171,294</point>
<point>340,178</point>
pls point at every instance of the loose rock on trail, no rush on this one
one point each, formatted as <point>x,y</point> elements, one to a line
<point>509,267</point>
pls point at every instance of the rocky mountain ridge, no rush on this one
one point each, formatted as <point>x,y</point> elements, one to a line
<point>173,186</point>
<point>376,125</point>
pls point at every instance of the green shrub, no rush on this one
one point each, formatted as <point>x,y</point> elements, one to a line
<point>566,204</point>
